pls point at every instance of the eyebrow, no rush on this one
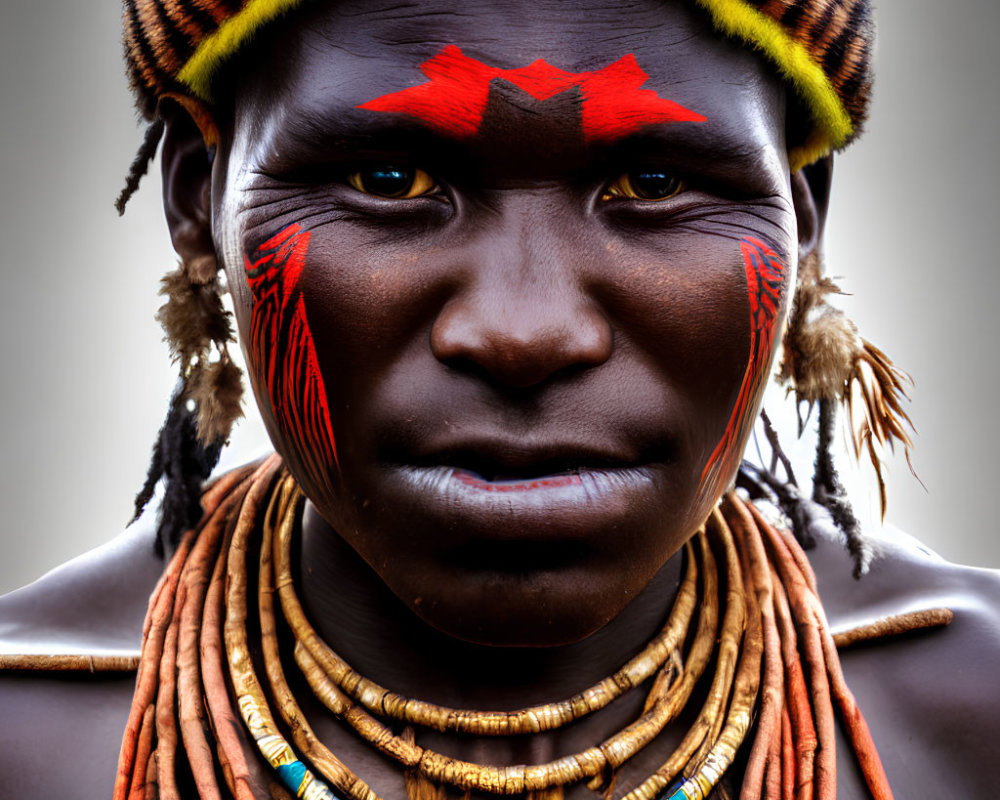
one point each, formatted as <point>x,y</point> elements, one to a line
<point>303,137</point>
<point>345,137</point>
<point>681,142</point>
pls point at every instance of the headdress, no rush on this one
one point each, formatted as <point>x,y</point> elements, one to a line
<point>821,47</point>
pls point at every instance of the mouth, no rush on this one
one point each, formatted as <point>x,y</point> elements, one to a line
<point>513,486</point>
<point>524,508</point>
<point>517,484</point>
<point>490,475</point>
<point>507,467</point>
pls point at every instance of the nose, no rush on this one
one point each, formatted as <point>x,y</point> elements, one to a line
<point>523,315</point>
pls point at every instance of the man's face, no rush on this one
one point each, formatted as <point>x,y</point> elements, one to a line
<point>508,281</point>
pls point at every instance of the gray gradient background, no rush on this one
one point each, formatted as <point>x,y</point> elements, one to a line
<point>86,377</point>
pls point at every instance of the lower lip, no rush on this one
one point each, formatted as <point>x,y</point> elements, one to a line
<point>532,485</point>
<point>573,497</point>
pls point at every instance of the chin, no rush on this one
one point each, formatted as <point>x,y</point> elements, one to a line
<point>538,608</point>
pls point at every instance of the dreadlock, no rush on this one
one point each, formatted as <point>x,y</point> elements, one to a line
<point>140,164</point>
<point>762,484</point>
<point>828,490</point>
<point>206,399</point>
<point>777,454</point>
<point>184,462</point>
<point>178,456</point>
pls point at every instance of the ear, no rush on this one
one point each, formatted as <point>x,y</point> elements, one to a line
<point>811,199</point>
<point>187,185</point>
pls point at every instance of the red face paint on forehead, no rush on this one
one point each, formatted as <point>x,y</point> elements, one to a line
<point>766,274</point>
<point>283,355</point>
<point>455,98</point>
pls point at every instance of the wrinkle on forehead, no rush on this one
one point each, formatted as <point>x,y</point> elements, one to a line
<point>574,36</point>
<point>306,83</point>
<point>516,21</point>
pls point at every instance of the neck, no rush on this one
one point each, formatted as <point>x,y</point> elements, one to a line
<point>360,618</point>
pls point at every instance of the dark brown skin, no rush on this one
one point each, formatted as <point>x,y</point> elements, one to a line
<point>510,321</point>
<point>513,322</point>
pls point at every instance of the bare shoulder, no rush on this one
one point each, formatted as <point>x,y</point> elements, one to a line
<point>61,732</point>
<point>95,602</point>
<point>930,698</point>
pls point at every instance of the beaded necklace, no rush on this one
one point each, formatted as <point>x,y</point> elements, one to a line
<point>760,641</point>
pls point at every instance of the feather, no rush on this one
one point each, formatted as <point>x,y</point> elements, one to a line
<point>825,359</point>
<point>829,346</point>
<point>194,321</point>
<point>873,396</point>
<point>192,318</point>
<point>217,390</point>
<point>820,344</point>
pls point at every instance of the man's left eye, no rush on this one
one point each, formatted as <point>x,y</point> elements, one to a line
<point>650,185</point>
<point>392,182</point>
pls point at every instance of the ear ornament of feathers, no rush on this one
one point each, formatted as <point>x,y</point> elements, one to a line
<point>827,362</point>
<point>207,401</point>
<point>198,331</point>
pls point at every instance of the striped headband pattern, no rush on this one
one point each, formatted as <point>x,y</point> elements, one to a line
<point>822,48</point>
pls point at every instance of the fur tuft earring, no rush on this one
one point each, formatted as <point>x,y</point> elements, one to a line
<point>197,327</point>
<point>827,360</point>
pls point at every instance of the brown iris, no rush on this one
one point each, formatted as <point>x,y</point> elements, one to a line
<point>393,182</point>
<point>644,184</point>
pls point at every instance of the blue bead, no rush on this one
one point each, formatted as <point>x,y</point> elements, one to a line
<point>292,775</point>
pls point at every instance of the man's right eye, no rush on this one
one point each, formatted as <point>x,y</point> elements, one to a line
<point>650,185</point>
<point>393,182</point>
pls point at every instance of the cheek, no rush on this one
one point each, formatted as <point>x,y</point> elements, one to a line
<point>282,357</point>
<point>683,306</point>
<point>767,279</point>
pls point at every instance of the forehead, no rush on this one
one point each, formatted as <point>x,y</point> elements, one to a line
<point>325,66</point>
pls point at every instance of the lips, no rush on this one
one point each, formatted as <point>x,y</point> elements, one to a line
<point>507,462</point>
<point>525,526</point>
<point>498,502</point>
<point>515,484</point>
<point>555,474</point>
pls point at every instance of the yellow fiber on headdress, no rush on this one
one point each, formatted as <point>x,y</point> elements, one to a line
<point>231,35</point>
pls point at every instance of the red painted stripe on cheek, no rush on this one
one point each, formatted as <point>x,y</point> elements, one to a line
<point>766,273</point>
<point>454,100</point>
<point>282,354</point>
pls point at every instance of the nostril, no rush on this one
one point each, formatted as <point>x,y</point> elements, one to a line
<point>452,335</point>
<point>524,346</point>
<point>524,362</point>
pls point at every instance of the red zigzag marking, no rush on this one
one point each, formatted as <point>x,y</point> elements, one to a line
<point>454,100</point>
<point>284,354</point>
<point>765,272</point>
